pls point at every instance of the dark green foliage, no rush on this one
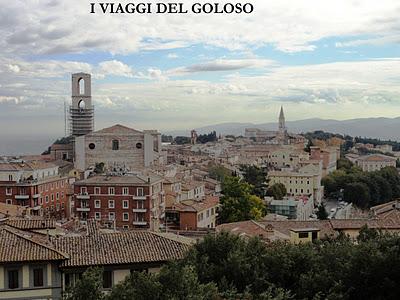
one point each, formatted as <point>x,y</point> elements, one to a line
<point>321,212</point>
<point>218,172</point>
<point>87,288</point>
<point>225,266</point>
<point>364,140</point>
<point>64,140</point>
<point>364,189</point>
<point>181,140</point>
<point>257,177</point>
<point>205,138</point>
<point>238,203</point>
<point>167,138</point>
<point>277,190</point>
<point>99,168</point>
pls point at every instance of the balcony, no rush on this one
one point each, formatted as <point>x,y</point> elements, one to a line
<point>83,209</point>
<point>21,197</point>
<point>139,223</point>
<point>139,197</point>
<point>35,196</point>
<point>83,196</point>
<point>139,210</point>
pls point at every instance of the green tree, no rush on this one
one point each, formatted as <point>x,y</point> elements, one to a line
<point>277,190</point>
<point>237,202</point>
<point>257,177</point>
<point>357,193</point>
<point>321,212</point>
<point>138,286</point>
<point>218,172</point>
<point>89,287</point>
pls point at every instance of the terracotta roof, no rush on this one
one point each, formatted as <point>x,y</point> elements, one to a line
<point>284,227</point>
<point>31,224</point>
<point>357,224</point>
<point>16,247</point>
<point>119,248</point>
<point>197,206</point>
<point>376,157</point>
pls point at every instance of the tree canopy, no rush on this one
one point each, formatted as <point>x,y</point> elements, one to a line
<point>364,189</point>
<point>257,177</point>
<point>226,266</point>
<point>238,203</point>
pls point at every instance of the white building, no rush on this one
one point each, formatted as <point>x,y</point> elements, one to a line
<point>303,181</point>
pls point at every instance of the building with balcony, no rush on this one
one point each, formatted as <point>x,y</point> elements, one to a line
<point>36,185</point>
<point>131,201</point>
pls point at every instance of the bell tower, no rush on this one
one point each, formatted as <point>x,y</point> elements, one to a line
<point>81,111</point>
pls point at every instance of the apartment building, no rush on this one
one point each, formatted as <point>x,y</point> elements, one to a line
<point>37,185</point>
<point>132,201</point>
<point>328,156</point>
<point>375,162</point>
<point>303,181</point>
<point>193,215</point>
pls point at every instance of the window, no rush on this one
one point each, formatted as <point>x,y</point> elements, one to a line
<point>208,213</point>
<point>97,204</point>
<point>62,205</point>
<point>125,216</point>
<point>111,191</point>
<point>97,190</point>
<point>13,282</point>
<point>303,235</point>
<point>140,192</point>
<point>212,211</point>
<point>139,145</point>
<point>125,204</point>
<point>115,145</point>
<point>62,195</point>
<point>84,190</point>
<point>52,197</point>
<point>57,185</point>
<point>111,216</point>
<point>62,183</point>
<point>107,279</point>
<point>9,201</point>
<point>92,146</point>
<point>8,191</point>
<point>57,196</point>
<point>111,204</point>
<point>10,178</point>
<point>125,191</point>
<point>38,277</point>
<point>47,199</point>
<point>58,206</point>
<point>97,215</point>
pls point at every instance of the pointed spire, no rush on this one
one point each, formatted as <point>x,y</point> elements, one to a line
<point>282,119</point>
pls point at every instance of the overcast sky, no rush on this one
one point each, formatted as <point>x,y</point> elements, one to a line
<point>335,59</point>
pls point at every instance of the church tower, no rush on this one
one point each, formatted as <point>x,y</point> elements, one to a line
<point>283,137</point>
<point>282,125</point>
<point>81,111</point>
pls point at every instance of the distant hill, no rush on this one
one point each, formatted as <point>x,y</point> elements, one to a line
<point>382,128</point>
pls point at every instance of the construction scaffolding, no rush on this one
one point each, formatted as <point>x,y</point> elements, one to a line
<point>81,120</point>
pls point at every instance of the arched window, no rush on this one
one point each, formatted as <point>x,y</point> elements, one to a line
<point>81,86</point>
<point>115,144</point>
<point>82,104</point>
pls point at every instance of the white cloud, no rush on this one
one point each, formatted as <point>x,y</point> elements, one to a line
<point>172,56</point>
<point>113,67</point>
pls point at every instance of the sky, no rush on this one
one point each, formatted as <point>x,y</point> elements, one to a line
<point>337,59</point>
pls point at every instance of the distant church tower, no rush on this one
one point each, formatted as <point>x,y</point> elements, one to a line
<point>81,112</point>
<point>282,132</point>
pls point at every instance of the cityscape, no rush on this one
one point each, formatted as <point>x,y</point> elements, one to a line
<point>114,184</point>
